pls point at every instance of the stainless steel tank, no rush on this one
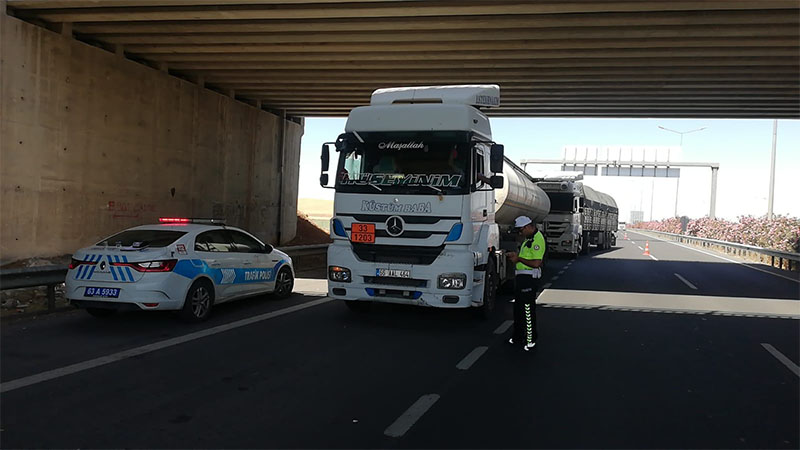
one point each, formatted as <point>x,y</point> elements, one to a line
<point>519,197</point>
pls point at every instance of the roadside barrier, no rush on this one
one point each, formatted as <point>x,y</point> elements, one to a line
<point>784,260</point>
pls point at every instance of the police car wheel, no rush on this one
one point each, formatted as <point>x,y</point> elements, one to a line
<point>199,301</point>
<point>284,283</point>
<point>101,312</point>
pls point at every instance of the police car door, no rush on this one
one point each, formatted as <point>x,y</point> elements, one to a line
<point>215,250</point>
<point>256,274</point>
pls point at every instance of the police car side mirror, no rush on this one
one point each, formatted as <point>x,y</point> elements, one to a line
<point>267,248</point>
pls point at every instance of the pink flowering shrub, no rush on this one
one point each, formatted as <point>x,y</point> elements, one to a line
<point>781,233</point>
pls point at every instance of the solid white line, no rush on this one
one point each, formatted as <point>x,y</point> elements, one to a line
<point>786,361</point>
<point>504,327</point>
<point>686,281</point>
<point>547,285</point>
<point>103,360</point>
<point>796,280</point>
<point>410,417</point>
<point>653,257</point>
<point>470,359</point>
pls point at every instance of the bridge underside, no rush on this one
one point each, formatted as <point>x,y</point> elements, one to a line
<point>726,59</point>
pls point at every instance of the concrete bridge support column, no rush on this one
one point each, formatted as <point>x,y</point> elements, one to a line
<point>92,143</point>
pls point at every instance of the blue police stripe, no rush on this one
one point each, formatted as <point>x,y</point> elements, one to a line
<point>91,269</point>
<point>127,269</point>
<point>113,273</point>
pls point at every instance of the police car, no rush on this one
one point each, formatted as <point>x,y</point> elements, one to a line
<point>181,264</point>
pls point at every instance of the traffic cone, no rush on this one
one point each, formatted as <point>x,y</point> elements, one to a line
<point>646,248</point>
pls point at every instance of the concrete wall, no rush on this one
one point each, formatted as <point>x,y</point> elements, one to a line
<point>91,143</point>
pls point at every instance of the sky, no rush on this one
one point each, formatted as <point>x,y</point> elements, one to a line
<point>741,147</point>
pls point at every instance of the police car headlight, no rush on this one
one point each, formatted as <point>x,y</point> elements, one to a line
<point>452,281</point>
<point>340,274</point>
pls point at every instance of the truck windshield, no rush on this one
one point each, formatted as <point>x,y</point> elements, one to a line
<point>406,162</point>
<point>561,202</point>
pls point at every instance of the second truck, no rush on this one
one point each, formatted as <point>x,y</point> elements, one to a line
<point>579,215</point>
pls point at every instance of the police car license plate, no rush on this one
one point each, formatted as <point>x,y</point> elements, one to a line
<point>101,292</point>
<point>394,273</point>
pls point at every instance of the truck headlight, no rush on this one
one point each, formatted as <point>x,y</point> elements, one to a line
<point>452,281</point>
<point>340,274</point>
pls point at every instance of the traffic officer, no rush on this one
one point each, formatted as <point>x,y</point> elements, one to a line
<point>526,282</point>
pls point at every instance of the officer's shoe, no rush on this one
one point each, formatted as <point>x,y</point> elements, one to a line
<point>528,347</point>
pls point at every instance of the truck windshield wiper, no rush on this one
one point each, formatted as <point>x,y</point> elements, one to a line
<point>433,187</point>
<point>375,186</point>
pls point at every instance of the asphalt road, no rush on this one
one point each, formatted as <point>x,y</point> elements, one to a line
<point>629,356</point>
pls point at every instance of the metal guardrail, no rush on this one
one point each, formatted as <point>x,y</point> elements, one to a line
<point>53,275</point>
<point>792,259</point>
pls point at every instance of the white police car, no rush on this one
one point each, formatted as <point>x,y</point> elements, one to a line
<point>186,265</point>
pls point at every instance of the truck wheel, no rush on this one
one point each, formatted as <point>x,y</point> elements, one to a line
<point>489,291</point>
<point>358,306</point>
<point>585,244</point>
<point>198,303</point>
<point>613,240</point>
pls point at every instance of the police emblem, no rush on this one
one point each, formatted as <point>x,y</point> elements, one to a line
<point>536,247</point>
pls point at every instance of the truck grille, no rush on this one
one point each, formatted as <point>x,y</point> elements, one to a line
<point>400,254</point>
<point>555,230</point>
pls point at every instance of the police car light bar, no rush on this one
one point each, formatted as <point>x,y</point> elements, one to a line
<point>191,220</point>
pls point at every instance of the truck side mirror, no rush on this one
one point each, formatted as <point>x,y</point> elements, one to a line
<point>326,160</point>
<point>496,158</point>
<point>496,182</point>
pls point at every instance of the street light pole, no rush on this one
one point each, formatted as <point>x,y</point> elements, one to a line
<point>678,179</point>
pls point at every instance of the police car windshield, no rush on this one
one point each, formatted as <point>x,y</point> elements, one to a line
<point>406,162</point>
<point>143,238</point>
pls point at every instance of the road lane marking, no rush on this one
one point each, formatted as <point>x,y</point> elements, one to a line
<point>547,285</point>
<point>561,272</point>
<point>796,280</point>
<point>470,359</point>
<point>119,356</point>
<point>640,248</point>
<point>410,417</point>
<point>633,242</point>
<point>554,278</point>
<point>686,282</point>
<point>504,327</point>
<point>786,361</point>
<point>653,257</point>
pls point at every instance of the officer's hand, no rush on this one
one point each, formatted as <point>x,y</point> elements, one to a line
<point>512,256</point>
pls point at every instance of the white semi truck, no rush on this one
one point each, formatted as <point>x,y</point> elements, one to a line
<point>579,215</point>
<point>424,201</point>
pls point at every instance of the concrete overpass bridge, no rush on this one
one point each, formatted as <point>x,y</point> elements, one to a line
<point>116,112</point>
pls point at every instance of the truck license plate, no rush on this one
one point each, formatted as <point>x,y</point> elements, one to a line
<point>101,292</point>
<point>363,233</point>
<point>394,273</point>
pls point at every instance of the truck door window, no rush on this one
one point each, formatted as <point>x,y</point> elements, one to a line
<point>478,170</point>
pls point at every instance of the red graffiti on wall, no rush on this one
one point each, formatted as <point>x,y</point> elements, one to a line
<point>130,210</point>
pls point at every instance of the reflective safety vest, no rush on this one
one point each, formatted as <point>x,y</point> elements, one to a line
<point>532,248</point>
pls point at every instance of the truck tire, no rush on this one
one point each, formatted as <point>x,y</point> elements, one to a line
<point>358,305</point>
<point>585,244</point>
<point>489,291</point>
<point>613,239</point>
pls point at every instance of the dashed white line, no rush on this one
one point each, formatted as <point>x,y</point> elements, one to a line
<point>554,278</point>
<point>103,360</point>
<point>640,248</point>
<point>786,361</point>
<point>653,257</point>
<point>410,417</point>
<point>504,327</point>
<point>470,359</point>
<point>686,282</point>
<point>561,272</point>
<point>796,280</point>
<point>633,242</point>
<point>547,285</point>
